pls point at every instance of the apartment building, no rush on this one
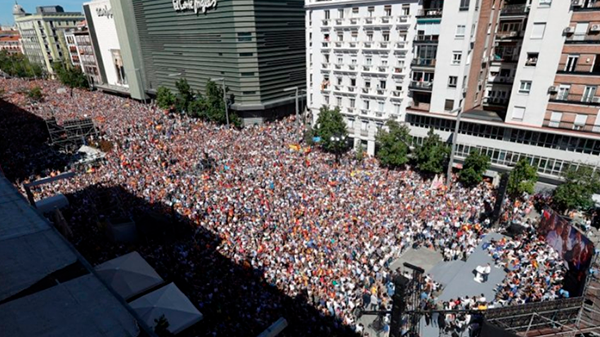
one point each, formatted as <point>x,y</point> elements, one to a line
<point>522,75</point>
<point>359,55</point>
<point>42,33</point>
<point>10,40</point>
<point>81,53</point>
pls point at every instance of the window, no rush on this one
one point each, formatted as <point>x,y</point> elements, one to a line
<point>545,3</point>
<point>367,84</point>
<point>386,36</point>
<point>364,126</point>
<point>370,37</point>
<point>380,106</point>
<point>452,81</point>
<point>456,57</point>
<point>340,60</point>
<point>340,37</point>
<point>354,36</point>
<point>381,84</point>
<point>369,61</point>
<point>555,119</point>
<point>355,10</point>
<point>352,102</point>
<point>538,30</point>
<point>387,9</point>
<point>449,105</point>
<point>339,81</point>
<point>246,54</point>
<point>525,87</point>
<point>340,13</point>
<point>326,99</point>
<point>460,30</point>
<point>588,94</point>
<point>464,5</point>
<point>563,92</point>
<point>366,104</point>
<point>248,92</point>
<point>518,113</point>
<point>579,122</point>
<point>353,82</point>
<point>405,9</point>
<point>351,123</point>
<point>571,64</point>
<point>338,100</point>
<point>247,74</point>
<point>580,31</point>
<point>397,108</point>
<point>371,9</point>
<point>327,14</point>
<point>532,59</point>
<point>354,62</point>
<point>244,36</point>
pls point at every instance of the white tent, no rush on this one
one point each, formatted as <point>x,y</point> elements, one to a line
<point>168,301</point>
<point>129,275</point>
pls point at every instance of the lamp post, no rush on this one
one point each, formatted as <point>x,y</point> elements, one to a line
<point>224,97</point>
<point>297,90</point>
<point>453,149</point>
<point>337,140</point>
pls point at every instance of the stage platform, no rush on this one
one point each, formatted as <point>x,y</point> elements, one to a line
<point>458,279</point>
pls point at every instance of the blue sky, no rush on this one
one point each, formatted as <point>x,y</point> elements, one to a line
<point>6,7</point>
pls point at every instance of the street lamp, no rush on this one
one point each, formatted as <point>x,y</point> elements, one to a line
<point>297,90</point>
<point>337,141</point>
<point>224,97</point>
<point>453,148</point>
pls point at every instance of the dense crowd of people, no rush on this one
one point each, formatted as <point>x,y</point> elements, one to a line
<point>271,209</point>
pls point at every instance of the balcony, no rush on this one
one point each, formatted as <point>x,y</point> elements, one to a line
<point>501,80</point>
<point>354,21</point>
<point>338,45</point>
<point>368,45</point>
<point>420,106</point>
<point>592,38</point>
<point>430,13</point>
<point>507,35</point>
<point>427,38</point>
<point>385,20</point>
<point>325,45</point>
<point>423,62</point>
<point>353,68</point>
<point>373,92</point>
<point>402,20</point>
<point>369,21</point>
<point>325,65</point>
<point>581,6</point>
<point>497,101</point>
<point>580,72</point>
<point>383,45</point>
<point>515,10</point>
<point>397,95</point>
<point>325,22</point>
<point>398,72</point>
<point>505,57</point>
<point>401,45</point>
<point>421,85</point>
<point>575,99</point>
<point>351,89</point>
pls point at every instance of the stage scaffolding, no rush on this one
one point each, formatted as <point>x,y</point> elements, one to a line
<point>69,136</point>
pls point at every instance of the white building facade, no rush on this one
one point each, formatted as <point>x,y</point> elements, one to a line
<point>106,45</point>
<point>359,55</point>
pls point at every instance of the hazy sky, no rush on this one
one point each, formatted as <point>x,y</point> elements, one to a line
<point>6,7</point>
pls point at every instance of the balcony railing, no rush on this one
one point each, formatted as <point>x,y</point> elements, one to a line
<point>396,93</point>
<point>502,80</point>
<point>430,13</point>
<point>421,85</point>
<point>505,58</point>
<point>580,5</point>
<point>576,99</point>
<point>368,45</point>
<point>325,65</point>
<point>402,19</point>
<point>423,62</point>
<point>325,45</point>
<point>385,19</point>
<point>351,89</point>
<point>513,10</point>
<point>495,101</point>
<point>384,45</point>
<point>367,68</point>
<point>427,38</point>
<point>580,72</point>
<point>400,45</point>
<point>584,38</point>
<point>509,34</point>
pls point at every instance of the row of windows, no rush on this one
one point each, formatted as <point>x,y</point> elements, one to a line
<point>544,165</point>
<point>535,138</point>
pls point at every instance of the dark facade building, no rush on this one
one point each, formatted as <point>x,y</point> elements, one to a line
<point>257,47</point>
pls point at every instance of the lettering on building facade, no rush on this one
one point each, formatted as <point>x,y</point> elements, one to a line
<point>106,11</point>
<point>195,5</point>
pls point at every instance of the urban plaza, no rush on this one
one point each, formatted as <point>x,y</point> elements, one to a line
<point>270,168</point>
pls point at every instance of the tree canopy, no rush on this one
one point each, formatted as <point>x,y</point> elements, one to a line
<point>331,124</point>
<point>165,98</point>
<point>432,154</point>
<point>473,169</point>
<point>210,107</point>
<point>393,145</point>
<point>35,94</point>
<point>19,65</point>
<point>522,179</point>
<point>580,184</point>
<point>70,76</point>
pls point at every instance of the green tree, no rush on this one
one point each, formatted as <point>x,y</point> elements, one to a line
<point>184,95</point>
<point>475,166</point>
<point>430,156</point>
<point>18,65</point>
<point>577,189</point>
<point>331,124</point>
<point>164,98</point>
<point>522,179</point>
<point>392,144</point>
<point>36,94</point>
<point>161,327</point>
<point>70,76</point>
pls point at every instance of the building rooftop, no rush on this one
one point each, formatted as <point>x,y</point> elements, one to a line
<point>47,288</point>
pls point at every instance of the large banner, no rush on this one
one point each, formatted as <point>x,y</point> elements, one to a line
<point>575,249</point>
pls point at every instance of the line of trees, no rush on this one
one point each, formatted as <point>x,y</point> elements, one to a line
<point>209,106</point>
<point>70,76</point>
<point>393,149</point>
<point>18,65</point>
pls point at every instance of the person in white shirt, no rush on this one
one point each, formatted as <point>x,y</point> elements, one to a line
<point>486,273</point>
